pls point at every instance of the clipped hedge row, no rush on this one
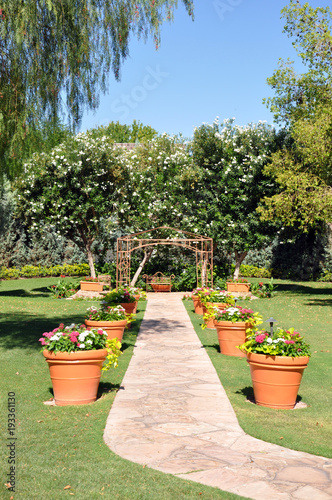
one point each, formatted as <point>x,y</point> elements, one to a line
<point>255,272</point>
<point>42,271</point>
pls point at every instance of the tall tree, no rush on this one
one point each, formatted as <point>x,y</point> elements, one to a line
<point>53,51</point>
<point>232,159</point>
<point>73,189</point>
<point>303,170</point>
<point>298,95</point>
<point>304,174</point>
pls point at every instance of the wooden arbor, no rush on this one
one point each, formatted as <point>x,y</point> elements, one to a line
<point>200,245</point>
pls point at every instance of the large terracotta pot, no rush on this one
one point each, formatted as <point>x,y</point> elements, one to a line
<point>161,287</point>
<point>75,376</point>
<point>92,286</point>
<point>231,335</point>
<point>114,329</point>
<point>276,379</point>
<point>210,323</point>
<point>197,304</point>
<point>238,287</point>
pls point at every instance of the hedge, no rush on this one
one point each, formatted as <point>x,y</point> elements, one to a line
<point>42,271</point>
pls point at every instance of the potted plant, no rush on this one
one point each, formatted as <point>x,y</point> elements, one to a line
<point>277,362</point>
<point>232,325</point>
<point>112,319</point>
<point>124,295</point>
<point>196,295</point>
<point>75,356</point>
<point>238,285</point>
<point>92,284</point>
<point>212,301</point>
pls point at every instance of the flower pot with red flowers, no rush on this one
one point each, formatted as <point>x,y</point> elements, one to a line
<point>75,356</point>
<point>277,362</point>
<point>111,319</point>
<point>232,325</point>
<point>90,284</point>
<point>125,296</point>
<point>239,285</point>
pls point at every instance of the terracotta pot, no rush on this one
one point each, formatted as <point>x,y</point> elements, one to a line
<point>238,287</point>
<point>75,376</point>
<point>231,335</point>
<point>129,307</point>
<point>92,286</point>
<point>210,323</point>
<point>276,379</point>
<point>197,304</point>
<point>137,297</point>
<point>114,329</point>
<point>161,287</point>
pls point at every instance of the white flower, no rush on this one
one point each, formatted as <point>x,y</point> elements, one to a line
<point>232,310</point>
<point>82,336</point>
<point>55,337</point>
<point>269,340</point>
<point>82,346</point>
<point>89,342</point>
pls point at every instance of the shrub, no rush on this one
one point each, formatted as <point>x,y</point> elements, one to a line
<point>33,271</point>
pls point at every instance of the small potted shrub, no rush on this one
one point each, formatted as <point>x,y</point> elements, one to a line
<point>112,319</point>
<point>124,295</point>
<point>277,362</point>
<point>232,325</point>
<point>213,301</point>
<point>197,294</point>
<point>76,356</point>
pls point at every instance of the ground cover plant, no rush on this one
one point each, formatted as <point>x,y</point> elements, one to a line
<point>60,450</point>
<point>307,307</point>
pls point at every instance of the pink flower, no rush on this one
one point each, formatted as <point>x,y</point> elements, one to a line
<point>43,341</point>
<point>100,331</point>
<point>48,334</point>
<point>260,338</point>
<point>289,342</point>
<point>73,339</point>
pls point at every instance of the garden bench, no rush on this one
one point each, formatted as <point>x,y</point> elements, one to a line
<point>159,282</point>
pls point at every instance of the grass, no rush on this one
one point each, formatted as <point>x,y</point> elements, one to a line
<point>60,451</point>
<point>306,307</point>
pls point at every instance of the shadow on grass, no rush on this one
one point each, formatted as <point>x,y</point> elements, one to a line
<point>103,388</point>
<point>20,292</point>
<point>23,330</point>
<point>319,302</point>
<point>303,289</point>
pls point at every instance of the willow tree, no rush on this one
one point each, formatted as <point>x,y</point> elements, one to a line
<point>55,57</point>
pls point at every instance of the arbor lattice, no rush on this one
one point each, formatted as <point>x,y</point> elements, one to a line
<point>200,245</point>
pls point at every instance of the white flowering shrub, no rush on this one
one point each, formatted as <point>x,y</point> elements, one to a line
<point>73,189</point>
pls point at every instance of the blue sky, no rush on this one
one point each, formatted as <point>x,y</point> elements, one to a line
<point>216,65</point>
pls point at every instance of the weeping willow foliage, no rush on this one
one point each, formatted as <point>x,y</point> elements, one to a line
<point>56,55</point>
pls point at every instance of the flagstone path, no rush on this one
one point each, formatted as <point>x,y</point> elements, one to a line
<point>172,414</point>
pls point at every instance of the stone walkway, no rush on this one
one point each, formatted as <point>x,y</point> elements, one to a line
<point>172,414</point>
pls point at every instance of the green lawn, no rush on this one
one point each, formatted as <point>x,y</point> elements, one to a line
<point>60,452</point>
<point>308,308</point>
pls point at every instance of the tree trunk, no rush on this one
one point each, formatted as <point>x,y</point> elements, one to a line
<point>90,260</point>
<point>239,257</point>
<point>147,255</point>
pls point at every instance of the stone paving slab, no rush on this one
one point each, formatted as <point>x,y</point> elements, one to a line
<point>172,414</point>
